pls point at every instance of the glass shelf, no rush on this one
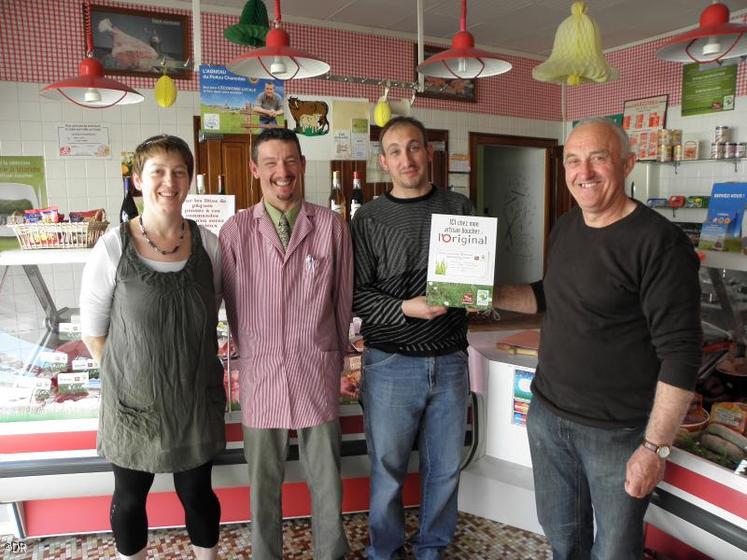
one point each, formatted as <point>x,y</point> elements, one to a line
<point>676,164</point>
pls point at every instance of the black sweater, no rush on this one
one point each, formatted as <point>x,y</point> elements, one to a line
<point>391,239</point>
<point>623,312</point>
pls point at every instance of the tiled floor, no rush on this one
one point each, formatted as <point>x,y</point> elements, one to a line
<point>476,539</point>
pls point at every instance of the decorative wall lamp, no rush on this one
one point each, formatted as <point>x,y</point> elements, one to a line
<point>576,56</point>
<point>278,60</point>
<point>463,60</point>
<point>90,88</point>
<point>714,40</point>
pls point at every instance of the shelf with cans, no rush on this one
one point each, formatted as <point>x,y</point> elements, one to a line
<point>674,148</point>
<point>676,163</point>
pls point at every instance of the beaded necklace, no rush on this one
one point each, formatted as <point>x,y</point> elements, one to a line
<point>158,249</point>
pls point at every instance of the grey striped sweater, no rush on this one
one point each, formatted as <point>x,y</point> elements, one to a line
<point>390,240</point>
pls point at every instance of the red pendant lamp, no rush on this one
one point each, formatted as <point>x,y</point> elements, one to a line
<point>90,88</point>
<point>277,60</point>
<point>463,60</point>
<point>714,40</point>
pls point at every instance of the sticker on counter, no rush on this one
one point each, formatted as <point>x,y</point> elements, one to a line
<point>522,395</point>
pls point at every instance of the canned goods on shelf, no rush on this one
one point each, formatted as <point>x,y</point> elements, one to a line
<point>730,150</point>
<point>676,136</point>
<point>677,152</point>
<point>718,149</point>
<point>741,150</point>
<point>664,137</point>
<point>722,134</point>
<point>663,153</point>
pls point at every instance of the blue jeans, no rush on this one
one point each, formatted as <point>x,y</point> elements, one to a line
<point>405,398</point>
<point>579,477</point>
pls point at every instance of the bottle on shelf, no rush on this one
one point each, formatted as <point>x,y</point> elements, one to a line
<point>337,202</point>
<point>356,198</point>
<point>129,208</point>
<point>221,184</point>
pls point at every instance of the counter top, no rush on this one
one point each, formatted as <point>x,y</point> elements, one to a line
<point>485,343</point>
<point>44,256</point>
<point>509,321</point>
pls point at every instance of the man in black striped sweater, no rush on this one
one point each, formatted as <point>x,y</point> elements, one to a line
<point>415,381</point>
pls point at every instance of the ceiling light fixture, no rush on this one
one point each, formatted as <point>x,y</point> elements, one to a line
<point>277,60</point>
<point>576,56</point>
<point>463,60</point>
<point>90,88</point>
<point>714,40</point>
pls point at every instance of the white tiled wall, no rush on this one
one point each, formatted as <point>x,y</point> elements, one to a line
<point>28,126</point>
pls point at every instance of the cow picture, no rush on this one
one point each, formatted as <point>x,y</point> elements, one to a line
<point>310,117</point>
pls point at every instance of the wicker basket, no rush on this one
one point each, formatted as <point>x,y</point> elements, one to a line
<point>63,235</point>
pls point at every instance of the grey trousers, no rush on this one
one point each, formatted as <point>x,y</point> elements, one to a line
<point>319,450</point>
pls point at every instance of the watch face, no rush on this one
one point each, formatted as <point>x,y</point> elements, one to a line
<point>663,451</point>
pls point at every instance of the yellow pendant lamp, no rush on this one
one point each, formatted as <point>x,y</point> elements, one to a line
<point>576,56</point>
<point>165,90</point>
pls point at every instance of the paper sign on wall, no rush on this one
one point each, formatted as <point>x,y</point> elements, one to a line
<point>209,210</point>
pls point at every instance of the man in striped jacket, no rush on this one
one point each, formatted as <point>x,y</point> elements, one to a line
<point>415,382</point>
<point>287,285</point>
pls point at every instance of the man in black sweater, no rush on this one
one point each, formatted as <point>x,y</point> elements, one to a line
<point>415,382</point>
<point>619,353</point>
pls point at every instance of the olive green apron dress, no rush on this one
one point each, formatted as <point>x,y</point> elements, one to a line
<point>162,396</point>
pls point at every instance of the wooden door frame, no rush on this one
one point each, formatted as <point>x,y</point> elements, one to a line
<point>477,139</point>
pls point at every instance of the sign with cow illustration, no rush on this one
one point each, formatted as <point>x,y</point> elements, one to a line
<point>329,127</point>
<point>232,104</point>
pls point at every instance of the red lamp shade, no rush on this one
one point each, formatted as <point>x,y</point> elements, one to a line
<point>463,60</point>
<point>91,89</point>
<point>714,40</point>
<point>277,60</point>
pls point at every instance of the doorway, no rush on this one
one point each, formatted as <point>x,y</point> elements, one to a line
<point>513,179</point>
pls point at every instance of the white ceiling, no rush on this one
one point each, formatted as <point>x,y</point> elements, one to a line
<point>519,26</point>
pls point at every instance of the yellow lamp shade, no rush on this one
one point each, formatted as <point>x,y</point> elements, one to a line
<point>382,112</point>
<point>165,91</point>
<point>576,56</point>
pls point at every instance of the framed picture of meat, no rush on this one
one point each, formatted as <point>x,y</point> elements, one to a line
<point>444,88</point>
<point>140,43</point>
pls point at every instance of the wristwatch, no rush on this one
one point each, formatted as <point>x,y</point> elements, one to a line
<point>662,451</point>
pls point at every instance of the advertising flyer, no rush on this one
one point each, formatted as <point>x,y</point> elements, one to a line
<point>522,396</point>
<point>708,90</point>
<point>642,118</point>
<point>722,230</point>
<point>231,104</point>
<point>461,261</point>
<point>22,187</point>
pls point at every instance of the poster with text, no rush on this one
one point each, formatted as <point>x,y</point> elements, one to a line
<point>231,104</point>
<point>83,141</point>
<point>708,90</point>
<point>209,210</point>
<point>22,188</point>
<point>642,119</point>
<point>461,261</point>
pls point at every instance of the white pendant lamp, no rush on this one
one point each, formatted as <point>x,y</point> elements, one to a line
<point>90,88</point>
<point>277,60</point>
<point>576,56</point>
<point>714,40</point>
<point>463,60</point>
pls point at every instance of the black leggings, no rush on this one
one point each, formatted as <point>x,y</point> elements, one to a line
<point>130,522</point>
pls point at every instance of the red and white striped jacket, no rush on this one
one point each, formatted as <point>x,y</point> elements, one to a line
<point>289,313</point>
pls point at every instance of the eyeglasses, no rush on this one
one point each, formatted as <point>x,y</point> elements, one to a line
<point>167,139</point>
